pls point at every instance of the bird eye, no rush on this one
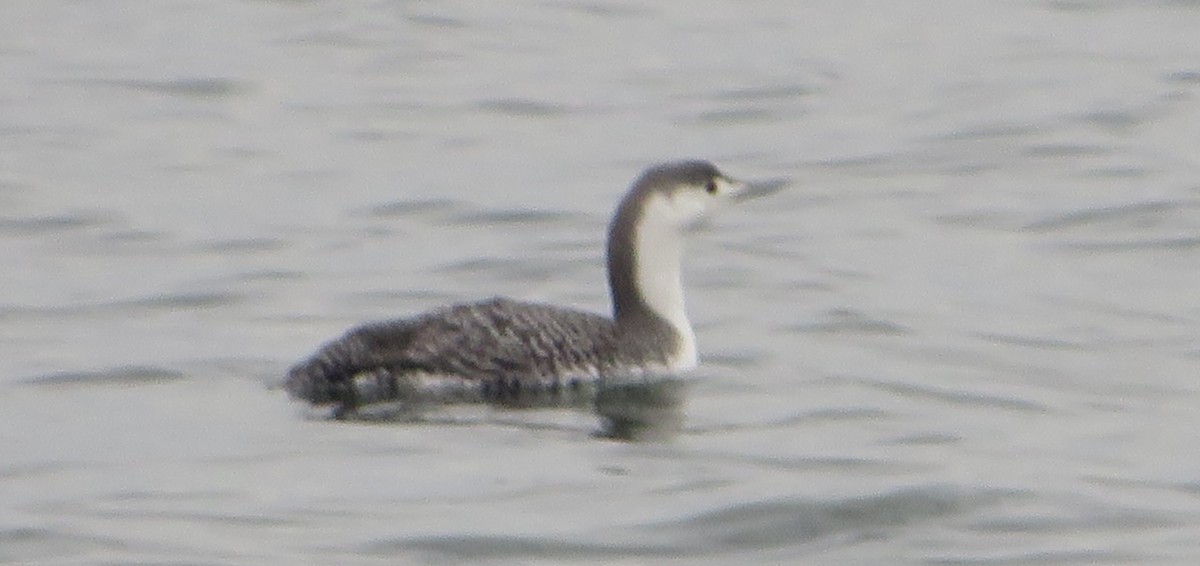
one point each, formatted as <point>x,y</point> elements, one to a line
<point>711,187</point>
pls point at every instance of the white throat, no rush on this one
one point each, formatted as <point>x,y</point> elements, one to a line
<point>658,275</point>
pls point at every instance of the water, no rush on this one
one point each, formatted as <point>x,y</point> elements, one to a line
<point>968,335</point>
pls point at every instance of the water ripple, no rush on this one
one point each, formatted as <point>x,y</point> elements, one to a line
<point>192,87</point>
<point>242,245</point>
<point>165,301</point>
<point>526,216</point>
<point>775,523</point>
<point>477,547</point>
<point>755,526</point>
<point>523,107</point>
<point>736,116</point>
<point>849,321</point>
<point>127,375</point>
<point>1036,342</point>
<point>407,208</point>
<point>1140,211</point>
<point>54,224</point>
<point>19,545</point>
<point>1188,77</point>
<point>912,390</point>
<point>769,92</point>
<point>1173,244</point>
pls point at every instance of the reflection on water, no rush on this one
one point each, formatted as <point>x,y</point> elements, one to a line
<point>634,410</point>
<point>645,410</point>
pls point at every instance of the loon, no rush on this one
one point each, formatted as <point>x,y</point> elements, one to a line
<point>505,351</point>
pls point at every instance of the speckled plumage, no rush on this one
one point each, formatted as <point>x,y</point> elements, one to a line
<point>486,351</point>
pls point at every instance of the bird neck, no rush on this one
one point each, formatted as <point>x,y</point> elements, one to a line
<point>645,250</point>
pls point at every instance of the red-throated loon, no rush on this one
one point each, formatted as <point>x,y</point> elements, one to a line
<point>514,352</point>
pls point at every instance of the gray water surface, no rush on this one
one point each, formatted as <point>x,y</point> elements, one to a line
<point>968,334</point>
